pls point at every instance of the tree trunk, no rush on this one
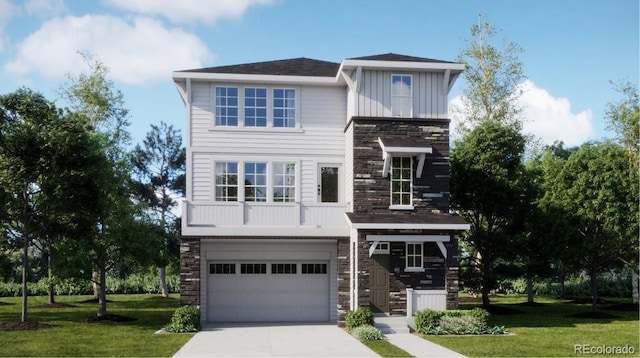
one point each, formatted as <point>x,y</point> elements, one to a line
<point>25,270</point>
<point>94,280</point>
<point>529,289</point>
<point>163,281</point>
<point>102,291</point>
<point>485,296</point>
<point>561,278</point>
<point>594,290</point>
<point>51,295</point>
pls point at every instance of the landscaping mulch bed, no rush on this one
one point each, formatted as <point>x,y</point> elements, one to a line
<point>624,307</point>
<point>593,315</point>
<point>54,305</point>
<point>503,310</point>
<point>160,298</point>
<point>110,318</point>
<point>533,304</point>
<point>23,326</point>
<point>93,300</point>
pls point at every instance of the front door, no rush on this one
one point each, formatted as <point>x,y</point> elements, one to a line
<point>379,283</point>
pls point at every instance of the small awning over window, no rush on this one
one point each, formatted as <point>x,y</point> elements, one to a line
<point>404,147</point>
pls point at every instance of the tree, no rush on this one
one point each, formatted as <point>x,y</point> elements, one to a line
<point>624,119</point>
<point>159,165</point>
<point>39,170</point>
<point>493,74</point>
<point>599,189</point>
<point>487,177</point>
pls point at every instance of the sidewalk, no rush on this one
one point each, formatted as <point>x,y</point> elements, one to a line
<point>420,347</point>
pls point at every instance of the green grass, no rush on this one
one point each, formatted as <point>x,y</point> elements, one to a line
<point>385,349</point>
<point>546,331</point>
<point>72,335</point>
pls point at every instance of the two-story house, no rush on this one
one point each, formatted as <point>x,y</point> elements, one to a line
<point>314,188</point>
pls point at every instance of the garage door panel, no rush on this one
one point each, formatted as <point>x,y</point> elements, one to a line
<point>268,297</point>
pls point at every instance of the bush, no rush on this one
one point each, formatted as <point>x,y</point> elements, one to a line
<point>367,332</point>
<point>475,321</point>
<point>466,324</point>
<point>185,319</point>
<point>426,320</point>
<point>360,317</point>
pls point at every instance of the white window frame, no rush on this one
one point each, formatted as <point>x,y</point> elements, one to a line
<point>401,206</point>
<point>255,106</point>
<point>382,248</point>
<point>238,106</point>
<point>226,197</point>
<point>285,108</point>
<point>284,185</point>
<point>266,181</point>
<point>319,167</point>
<point>401,97</point>
<point>420,257</point>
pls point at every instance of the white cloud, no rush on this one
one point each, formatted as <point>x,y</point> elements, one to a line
<point>138,51</point>
<point>546,117</point>
<point>187,11</point>
<point>44,8</point>
<point>7,11</point>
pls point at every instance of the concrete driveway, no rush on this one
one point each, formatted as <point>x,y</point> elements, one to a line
<point>273,340</point>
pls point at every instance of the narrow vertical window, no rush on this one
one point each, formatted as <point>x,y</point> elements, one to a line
<point>401,96</point>
<point>328,187</point>
<point>284,107</point>
<point>284,182</point>
<point>255,181</point>
<point>226,106</point>
<point>414,255</point>
<point>401,178</point>
<point>255,107</point>
<point>226,181</point>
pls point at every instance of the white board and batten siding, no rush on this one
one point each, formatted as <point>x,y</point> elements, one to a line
<point>374,96</point>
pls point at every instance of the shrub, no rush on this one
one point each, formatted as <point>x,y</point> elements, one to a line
<point>185,319</point>
<point>461,324</point>
<point>481,315</point>
<point>367,332</point>
<point>360,317</point>
<point>426,320</point>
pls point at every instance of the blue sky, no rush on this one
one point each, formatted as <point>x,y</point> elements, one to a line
<point>573,48</point>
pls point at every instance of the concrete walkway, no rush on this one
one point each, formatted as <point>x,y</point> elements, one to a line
<point>419,347</point>
<point>296,340</point>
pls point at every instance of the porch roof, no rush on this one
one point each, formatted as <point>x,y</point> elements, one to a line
<point>407,221</point>
<point>402,147</point>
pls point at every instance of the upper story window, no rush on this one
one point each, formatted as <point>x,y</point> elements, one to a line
<point>414,257</point>
<point>255,181</point>
<point>284,107</point>
<point>329,183</point>
<point>255,107</point>
<point>401,96</point>
<point>401,183</point>
<point>284,182</point>
<point>226,106</point>
<point>226,181</point>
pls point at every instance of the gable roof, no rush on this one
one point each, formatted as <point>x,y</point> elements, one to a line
<point>397,57</point>
<point>301,66</point>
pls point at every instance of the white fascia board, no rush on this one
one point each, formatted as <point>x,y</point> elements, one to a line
<point>398,151</point>
<point>409,238</point>
<point>234,77</point>
<point>400,226</point>
<point>265,231</point>
<point>403,65</point>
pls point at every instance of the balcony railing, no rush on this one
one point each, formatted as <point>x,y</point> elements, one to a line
<point>238,215</point>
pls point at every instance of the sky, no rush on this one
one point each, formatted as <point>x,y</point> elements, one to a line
<point>572,48</point>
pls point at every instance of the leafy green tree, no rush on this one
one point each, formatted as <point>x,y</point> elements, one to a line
<point>599,189</point>
<point>487,179</point>
<point>624,119</point>
<point>159,165</point>
<point>493,73</point>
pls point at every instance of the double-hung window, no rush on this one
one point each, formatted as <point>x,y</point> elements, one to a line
<point>255,181</point>
<point>284,107</point>
<point>255,107</point>
<point>284,182</point>
<point>226,181</point>
<point>227,106</point>
<point>401,96</point>
<point>414,256</point>
<point>401,182</point>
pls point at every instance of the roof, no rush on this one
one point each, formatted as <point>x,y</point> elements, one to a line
<point>408,221</point>
<point>301,66</point>
<point>405,142</point>
<point>399,58</point>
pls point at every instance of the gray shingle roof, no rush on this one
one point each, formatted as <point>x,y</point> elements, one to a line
<point>408,218</point>
<point>396,57</point>
<point>291,67</point>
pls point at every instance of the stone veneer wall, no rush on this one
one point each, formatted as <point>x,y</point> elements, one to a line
<point>344,271</point>
<point>371,190</point>
<point>190,271</point>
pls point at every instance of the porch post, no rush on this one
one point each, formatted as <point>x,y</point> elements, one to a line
<point>353,269</point>
<point>409,302</point>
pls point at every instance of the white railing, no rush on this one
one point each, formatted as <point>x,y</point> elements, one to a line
<point>418,300</point>
<point>264,214</point>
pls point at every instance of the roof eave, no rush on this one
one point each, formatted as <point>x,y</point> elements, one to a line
<point>402,65</point>
<point>254,78</point>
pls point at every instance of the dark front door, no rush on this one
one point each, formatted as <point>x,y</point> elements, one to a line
<point>379,283</point>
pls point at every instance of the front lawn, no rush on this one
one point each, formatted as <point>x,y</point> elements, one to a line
<point>72,334</point>
<point>548,330</point>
